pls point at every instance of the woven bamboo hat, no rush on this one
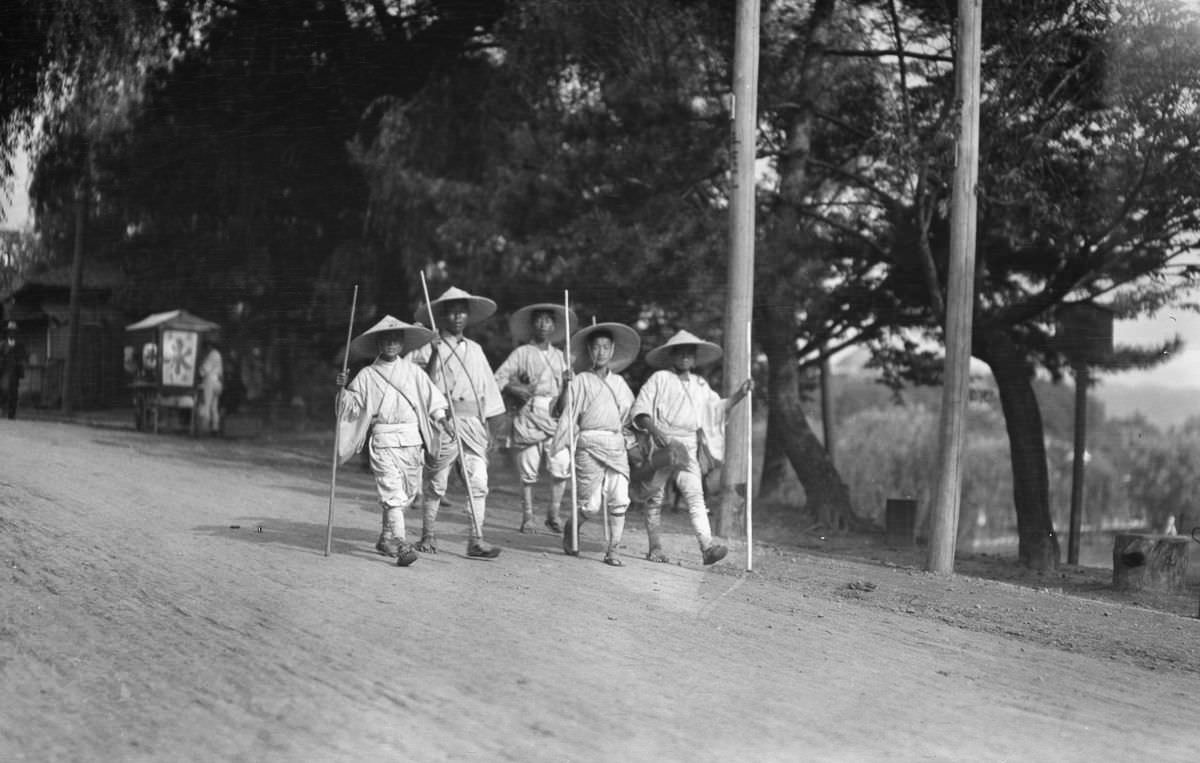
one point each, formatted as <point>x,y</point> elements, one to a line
<point>626,344</point>
<point>520,323</point>
<point>478,308</point>
<point>706,352</point>
<point>365,345</point>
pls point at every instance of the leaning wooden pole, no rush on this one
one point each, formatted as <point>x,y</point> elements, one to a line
<point>960,297</point>
<point>337,426</point>
<point>740,302</point>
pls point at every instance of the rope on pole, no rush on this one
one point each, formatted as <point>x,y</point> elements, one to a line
<point>337,426</point>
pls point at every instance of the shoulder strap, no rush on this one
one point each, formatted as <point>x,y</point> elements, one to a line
<point>466,373</point>
<point>393,385</point>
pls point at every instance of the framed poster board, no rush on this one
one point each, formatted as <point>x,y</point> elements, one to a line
<point>179,350</point>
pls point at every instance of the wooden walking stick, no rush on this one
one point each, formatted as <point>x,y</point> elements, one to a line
<point>749,454</point>
<point>571,425</point>
<point>337,426</point>
<point>478,530</point>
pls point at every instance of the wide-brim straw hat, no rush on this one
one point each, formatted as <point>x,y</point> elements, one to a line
<point>520,323</point>
<point>706,352</point>
<point>478,308</point>
<point>626,344</point>
<point>366,344</point>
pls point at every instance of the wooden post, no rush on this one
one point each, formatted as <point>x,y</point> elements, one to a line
<point>827,425</point>
<point>1077,470</point>
<point>900,522</point>
<point>1150,562</point>
<point>960,297</point>
<point>739,306</point>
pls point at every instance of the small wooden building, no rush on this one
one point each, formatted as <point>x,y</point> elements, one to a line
<point>40,303</point>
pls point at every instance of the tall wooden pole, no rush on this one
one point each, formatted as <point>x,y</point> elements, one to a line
<point>827,425</point>
<point>960,296</point>
<point>739,307</point>
<point>1077,471</point>
<point>337,426</point>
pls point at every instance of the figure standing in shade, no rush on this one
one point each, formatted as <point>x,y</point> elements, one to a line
<point>595,408</point>
<point>460,370</point>
<point>532,375</point>
<point>212,383</point>
<point>13,357</point>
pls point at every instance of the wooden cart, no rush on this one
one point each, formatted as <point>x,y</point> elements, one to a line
<point>162,354</point>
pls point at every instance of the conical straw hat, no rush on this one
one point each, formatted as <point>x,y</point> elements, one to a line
<point>520,323</point>
<point>365,345</point>
<point>478,308</point>
<point>626,344</point>
<point>706,352</point>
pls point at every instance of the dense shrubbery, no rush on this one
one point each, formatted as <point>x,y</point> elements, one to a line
<point>887,448</point>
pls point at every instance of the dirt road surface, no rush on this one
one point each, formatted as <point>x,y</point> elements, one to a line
<point>166,598</point>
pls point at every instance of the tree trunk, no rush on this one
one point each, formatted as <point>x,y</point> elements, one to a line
<point>1038,543</point>
<point>70,367</point>
<point>827,497</point>
<point>775,467</point>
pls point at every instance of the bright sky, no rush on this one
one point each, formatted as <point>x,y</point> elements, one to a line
<point>16,208</point>
<point>1183,370</point>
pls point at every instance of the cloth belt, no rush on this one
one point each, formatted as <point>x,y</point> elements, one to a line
<point>404,428</point>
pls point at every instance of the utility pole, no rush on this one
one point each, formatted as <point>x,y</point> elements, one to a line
<point>740,304</point>
<point>960,295</point>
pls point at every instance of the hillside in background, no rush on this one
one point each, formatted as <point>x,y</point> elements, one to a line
<point>1162,406</point>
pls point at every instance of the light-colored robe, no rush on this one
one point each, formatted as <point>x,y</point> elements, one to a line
<point>374,397</point>
<point>679,408</point>
<point>597,413</point>
<point>542,370</point>
<point>462,373</point>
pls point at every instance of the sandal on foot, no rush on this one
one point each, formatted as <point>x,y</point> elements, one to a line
<point>657,555</point>
<point>387,546</point>
<point>428,544</point>
<point>714,553</point>
<point>612,561</point>
<point>406,555</point>
<point>479,551</point>
<point>526,522</point>
<point>553,525</point>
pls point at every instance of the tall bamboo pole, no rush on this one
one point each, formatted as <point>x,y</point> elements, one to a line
<point>337,426</point>
<point>571,425</point>
<point>960,296</point>
<point>739,307</point>
<point>749,452</point>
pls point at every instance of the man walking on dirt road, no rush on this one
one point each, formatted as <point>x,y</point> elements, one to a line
<point>595,406</point>
<point>532,374</point>
<point>396,404</point>
<point>676,405</point>
<point>459,368</point>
